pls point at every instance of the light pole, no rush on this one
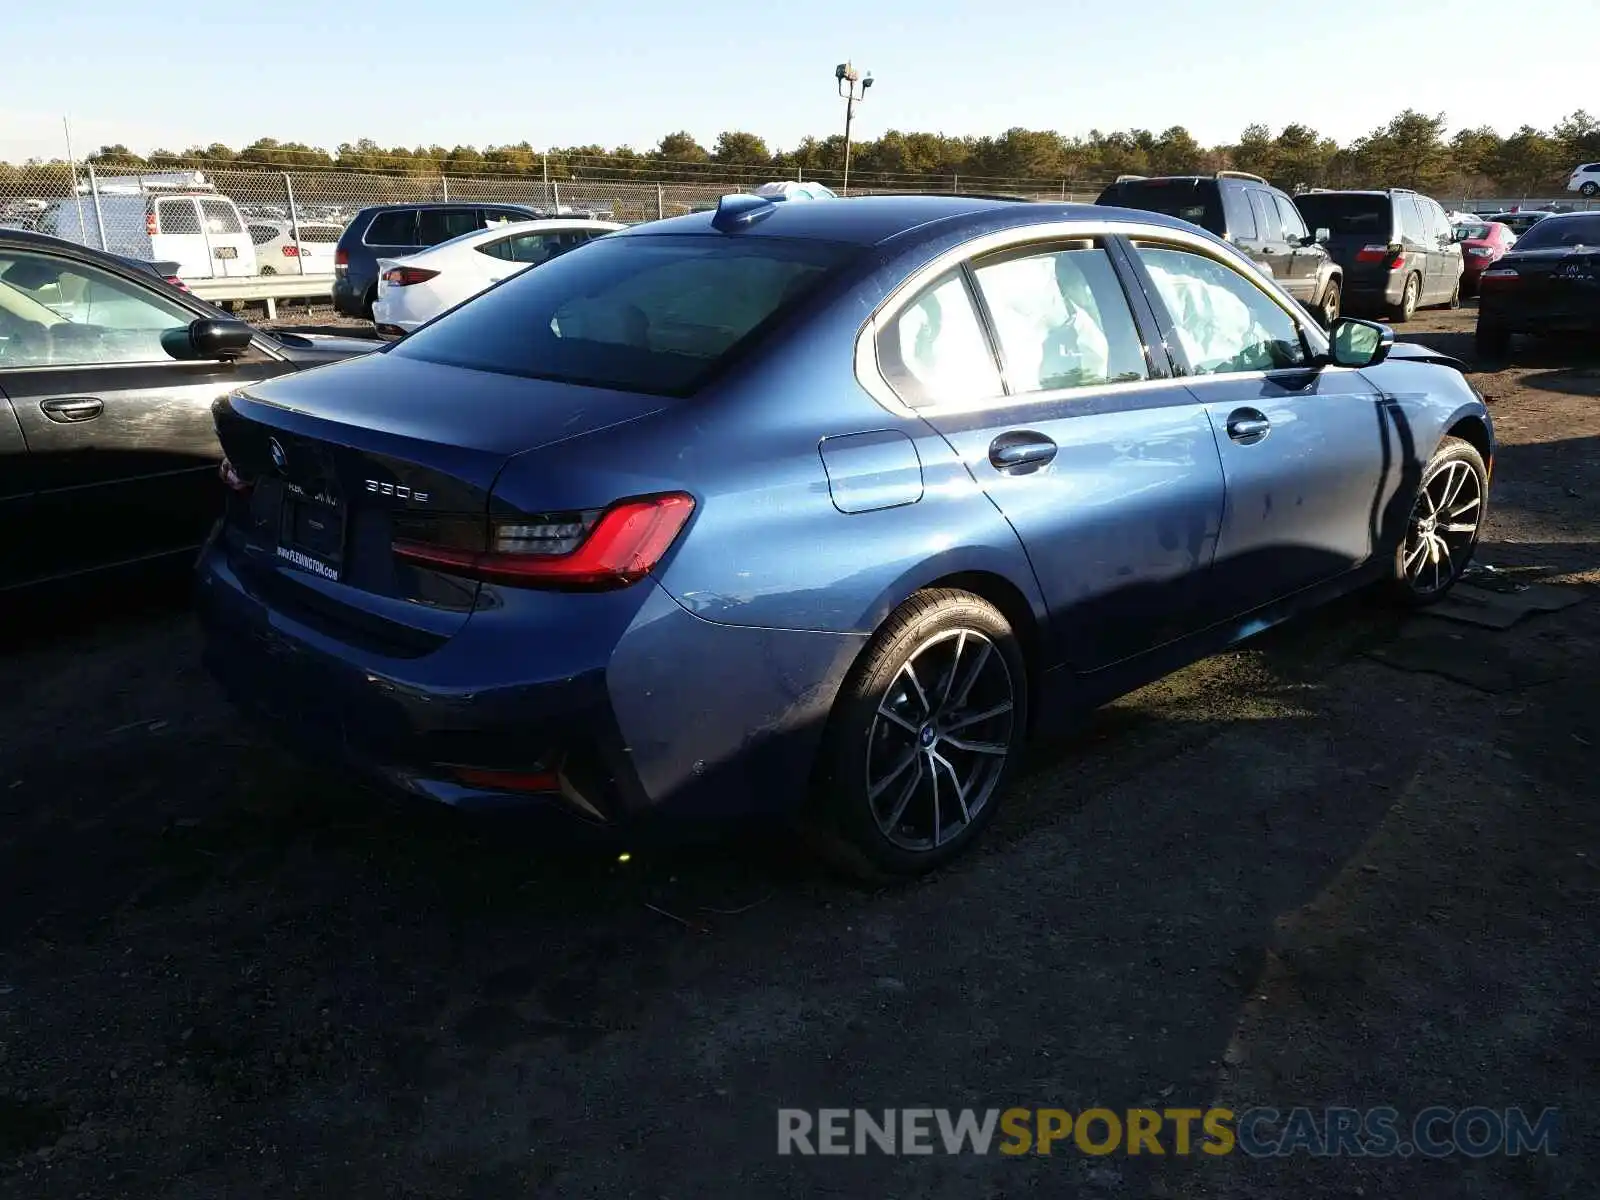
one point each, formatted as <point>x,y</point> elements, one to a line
<point>853,87</point>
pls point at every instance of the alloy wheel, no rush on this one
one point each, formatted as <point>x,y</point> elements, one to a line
<point>1443,528</point>
<point>1330,306</point>
<point>940,739</point>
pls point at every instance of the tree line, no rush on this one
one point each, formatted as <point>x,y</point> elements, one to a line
<point>1413,149</point>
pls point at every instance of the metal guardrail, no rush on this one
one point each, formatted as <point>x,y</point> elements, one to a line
<point>269,288</point>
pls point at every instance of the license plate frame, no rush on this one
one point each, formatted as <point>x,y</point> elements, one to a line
<point>224,252</point>
<point>311,533</point>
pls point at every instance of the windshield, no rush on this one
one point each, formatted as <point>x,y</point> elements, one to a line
<point>1197,201</point>
<point>1559,232</point>
<point>655,314</point>
<point>1348,213</point>
<point>1472,233</point>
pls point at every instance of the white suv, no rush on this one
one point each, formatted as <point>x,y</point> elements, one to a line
<point>1585,179</point>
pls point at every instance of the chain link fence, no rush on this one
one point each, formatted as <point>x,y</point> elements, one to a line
<point>289,215</point>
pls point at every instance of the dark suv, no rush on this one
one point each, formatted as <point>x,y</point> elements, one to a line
<point>1397,248</point>
<point>1252,214</point>
<point>395,230</point>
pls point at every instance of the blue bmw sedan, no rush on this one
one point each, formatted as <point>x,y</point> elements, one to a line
<point>817,510</point>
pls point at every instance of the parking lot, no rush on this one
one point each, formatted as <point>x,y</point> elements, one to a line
<point>1356,861</point>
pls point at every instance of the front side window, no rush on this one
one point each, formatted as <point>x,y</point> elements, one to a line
<point>655,314</point>
<point>1062,320</point>
<point>56,312</point>
<point>1224,323</point>
<point>1293,226</point>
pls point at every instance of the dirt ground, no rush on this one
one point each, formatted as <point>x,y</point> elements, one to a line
<point>1355,862</point>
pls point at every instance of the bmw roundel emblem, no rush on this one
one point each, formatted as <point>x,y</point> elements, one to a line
<point>279,458</point>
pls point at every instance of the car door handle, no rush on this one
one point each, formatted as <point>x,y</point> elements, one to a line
<point>1248,426</point>
<point>77,408</point>
<point>1020,451</point>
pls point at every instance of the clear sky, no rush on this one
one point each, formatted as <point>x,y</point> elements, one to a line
<point>626,71</point>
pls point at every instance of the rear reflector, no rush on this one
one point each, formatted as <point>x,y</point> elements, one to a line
<point>406,276</point>
<point>509,781</point>
<point>591,550</point>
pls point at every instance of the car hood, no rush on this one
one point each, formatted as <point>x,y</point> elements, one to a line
<point>1412,352</point>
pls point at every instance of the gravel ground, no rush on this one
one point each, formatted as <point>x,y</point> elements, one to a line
<point>1304,872</point>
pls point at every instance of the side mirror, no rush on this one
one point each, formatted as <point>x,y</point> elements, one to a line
<point>208,338</point>
<point>1353,343</point>
<point>1322,236</point>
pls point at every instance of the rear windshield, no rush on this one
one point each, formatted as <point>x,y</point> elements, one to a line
<point>1343,213</point>
<point>640,314</point>
<point>1555,232</point>
<point>1198,201</point>
<point>1472,233</point>
<point>221,217</point>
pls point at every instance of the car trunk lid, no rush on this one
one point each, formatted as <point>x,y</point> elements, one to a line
<point>331,467</point>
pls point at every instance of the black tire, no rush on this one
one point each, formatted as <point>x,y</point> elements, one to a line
<point>1491,341</point>
<point>369,301</point>
<point>1328,310</point>
<point>1408,300</point>
<point>863,740</point>
<point>1413,582</point>
<point>1589,188</point>
<point>267,271</point>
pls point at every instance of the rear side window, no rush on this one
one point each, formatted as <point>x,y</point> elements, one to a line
<point>320,233</point>
<point>1411,223</point>
<point>397,227</point>
<point>935,351</point>
<point>533,247</point>
<point>1266,213</point>
<point>1241,217</point>
<point>262,234</point>
<point>435,225</point>
<point>177,216</point>
<point>1198,201</point>
<point>658,315</point>
<point>1062,320</point>
<point>220,216</point>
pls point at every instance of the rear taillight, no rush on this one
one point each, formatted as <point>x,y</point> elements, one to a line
<point>150,224</point>
<point>1499,277</point>
<point>406,276</point>
<point>591,550</point>
<point>341,261</point>
<point>291,252</point>
<point>1376,253</point>
<point>177,283</point>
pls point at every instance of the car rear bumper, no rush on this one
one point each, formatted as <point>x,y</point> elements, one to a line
<point>1561,317</point>
<point>349,296</point>
<point>645,711</point>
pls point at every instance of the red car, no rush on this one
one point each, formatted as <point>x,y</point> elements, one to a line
<point>1483,243</point>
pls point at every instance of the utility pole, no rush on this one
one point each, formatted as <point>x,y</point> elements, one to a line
<point>853,88</point>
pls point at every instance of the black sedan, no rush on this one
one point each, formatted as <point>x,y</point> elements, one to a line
<point>108,455</point>
<point>1548,283</point>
